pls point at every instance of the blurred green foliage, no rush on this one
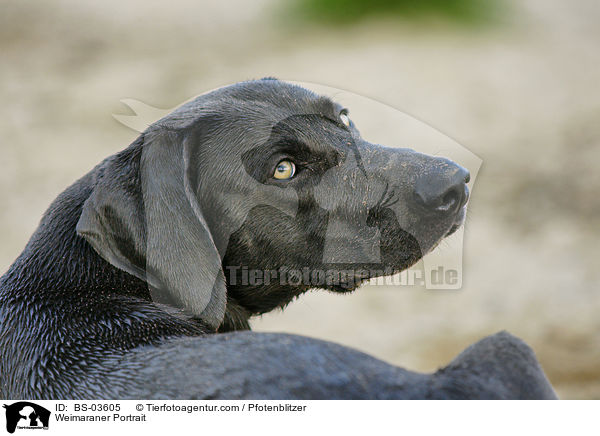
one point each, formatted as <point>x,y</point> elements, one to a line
<point>350,11</point>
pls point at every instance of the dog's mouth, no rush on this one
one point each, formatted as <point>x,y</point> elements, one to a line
<point>458,221</point>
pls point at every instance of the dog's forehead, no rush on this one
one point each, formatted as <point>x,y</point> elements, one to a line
<point>281,95</point>
<point>263,102</point>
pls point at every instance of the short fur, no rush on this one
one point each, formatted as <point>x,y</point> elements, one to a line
<point>137,255</point>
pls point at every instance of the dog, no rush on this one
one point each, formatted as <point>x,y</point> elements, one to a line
<point>136,267</point>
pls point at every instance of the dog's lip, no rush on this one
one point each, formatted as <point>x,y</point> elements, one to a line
<point>458,222</point>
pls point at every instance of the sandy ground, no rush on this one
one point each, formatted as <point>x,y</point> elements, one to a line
<point>522,95</point>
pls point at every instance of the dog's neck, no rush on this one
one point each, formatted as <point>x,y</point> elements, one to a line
<point>68,307</point>
<point>59,263</point>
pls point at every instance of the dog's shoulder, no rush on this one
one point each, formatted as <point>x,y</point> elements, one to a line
<point>63,308</point>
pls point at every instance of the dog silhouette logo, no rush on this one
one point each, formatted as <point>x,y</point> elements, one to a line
<point>26,415</point>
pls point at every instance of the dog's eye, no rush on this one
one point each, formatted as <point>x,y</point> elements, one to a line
<point>345,119</point>
<point>285,170</point>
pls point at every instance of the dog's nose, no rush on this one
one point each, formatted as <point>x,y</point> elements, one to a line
<point>444,189</point>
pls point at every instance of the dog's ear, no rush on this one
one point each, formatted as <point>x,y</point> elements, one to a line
<point>144,217</point>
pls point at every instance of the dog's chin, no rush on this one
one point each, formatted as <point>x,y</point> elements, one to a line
<point>351,282</point>
<point>340,289</point>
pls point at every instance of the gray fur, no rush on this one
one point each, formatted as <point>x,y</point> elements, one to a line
<point>121,289</point>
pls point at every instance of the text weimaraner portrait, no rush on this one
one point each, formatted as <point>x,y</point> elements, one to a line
<point>143,275</point>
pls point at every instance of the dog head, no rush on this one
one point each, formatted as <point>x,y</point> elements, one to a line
<point>256,192</point>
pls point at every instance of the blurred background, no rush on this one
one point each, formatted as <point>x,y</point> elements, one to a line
<point>515,82</point>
